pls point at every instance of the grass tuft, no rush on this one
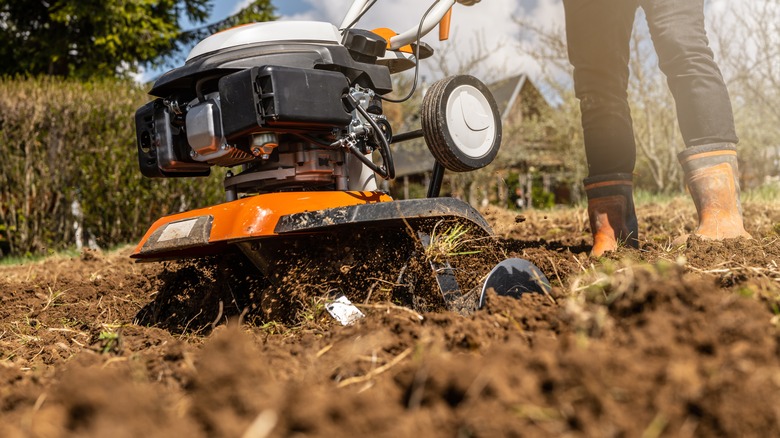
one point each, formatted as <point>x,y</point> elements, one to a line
<point>449,243</point>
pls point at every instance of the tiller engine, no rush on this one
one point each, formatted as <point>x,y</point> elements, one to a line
<point>295,111</point>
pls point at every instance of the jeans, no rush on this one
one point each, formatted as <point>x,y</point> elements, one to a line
<point>598,35</point>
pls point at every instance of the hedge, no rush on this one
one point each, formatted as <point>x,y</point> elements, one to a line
<point>65,143</point>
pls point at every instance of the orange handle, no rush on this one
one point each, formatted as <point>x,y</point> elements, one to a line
<point>444,26</point>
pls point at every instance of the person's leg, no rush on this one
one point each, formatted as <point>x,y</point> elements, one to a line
<point>704,113</point>
<point>702,100</point>
<point>598,34</point>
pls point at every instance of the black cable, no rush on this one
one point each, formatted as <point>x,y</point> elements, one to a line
<point>199,86</point>
<point>367,161</point>
<point>384,146</point>
<point>416,59</point>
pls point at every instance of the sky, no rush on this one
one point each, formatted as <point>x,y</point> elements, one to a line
<point>491,21</point>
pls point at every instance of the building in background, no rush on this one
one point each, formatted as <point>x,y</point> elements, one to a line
<point>526,173</point>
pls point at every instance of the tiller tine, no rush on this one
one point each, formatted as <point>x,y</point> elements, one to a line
<point>514,277</point>
<point>445,277</point>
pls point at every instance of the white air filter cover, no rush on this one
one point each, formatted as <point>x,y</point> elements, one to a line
<point>272,31</point>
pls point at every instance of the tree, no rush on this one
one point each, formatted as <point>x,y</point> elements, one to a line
<point>559,126</point>
<point>456,57</point>
<point>656,131</point>
<point>94,38</point>
<point>747,45</point>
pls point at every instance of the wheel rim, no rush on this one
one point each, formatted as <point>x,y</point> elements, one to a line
<point>470,121</point>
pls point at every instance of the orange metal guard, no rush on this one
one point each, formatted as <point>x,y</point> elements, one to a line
<point>192,232</point>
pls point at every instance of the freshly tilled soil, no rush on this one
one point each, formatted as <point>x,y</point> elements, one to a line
<point>664,340</point>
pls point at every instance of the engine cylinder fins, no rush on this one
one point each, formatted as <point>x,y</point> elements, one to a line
<point>293,166</point>
<point>461,123</point>
<point>514,277</point>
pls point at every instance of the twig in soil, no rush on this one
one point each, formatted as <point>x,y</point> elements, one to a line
<point>190,321</point>
<point>112,360</point>
<point>65,330</point>
<point>28,419</point>
<point>375,372</point>
<point>235,301</point>
<point>263,425</point>
<point>52,298</point>
<point>579,263</point>
<point>99,305</point>
<point>39,402</point>
<point>323,350</point>
<point>371,291</point>
<point>401,273</point>
<point>418,389</point>
<point>29,271</point>
<point>732,268</point>
<point>477,386</point>
<point>390,306</point>
<point>379,280</point>
<point>547,294</point>
<point>555,270</point>
<point>656,427</point>
<point>242,315</point>
<point>36,355</point>
<point>219,315</point>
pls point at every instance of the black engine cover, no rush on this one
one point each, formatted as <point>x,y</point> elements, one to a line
<point>162,146</point>
<point>181,82</point>
<point>278,98</point>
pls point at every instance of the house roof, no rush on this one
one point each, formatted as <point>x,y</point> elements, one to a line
<point>506,91</point>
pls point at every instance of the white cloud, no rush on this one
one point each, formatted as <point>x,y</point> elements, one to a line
<point>490,21</point>
<point>239,6</point>
<point>331,10</point>
<point>548,13</point>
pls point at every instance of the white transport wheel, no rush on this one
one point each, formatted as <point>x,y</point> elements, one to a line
<point>461,124</point>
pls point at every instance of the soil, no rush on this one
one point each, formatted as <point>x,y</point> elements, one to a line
<point>665,340</point>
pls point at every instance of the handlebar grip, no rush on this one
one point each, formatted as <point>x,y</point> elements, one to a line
<point>444,26</point>
<point>433,18</point>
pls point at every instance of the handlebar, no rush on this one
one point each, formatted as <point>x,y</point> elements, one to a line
<point>355,11</point>
<point>359,7</point>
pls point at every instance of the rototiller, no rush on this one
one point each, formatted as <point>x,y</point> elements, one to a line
<point>294,109</point>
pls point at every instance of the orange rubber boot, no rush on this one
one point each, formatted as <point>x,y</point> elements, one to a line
<point>611,212</point>
<point>711,175</point>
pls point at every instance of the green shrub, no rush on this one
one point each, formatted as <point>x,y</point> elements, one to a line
<point>63,141</point>
<point>542,199</point>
